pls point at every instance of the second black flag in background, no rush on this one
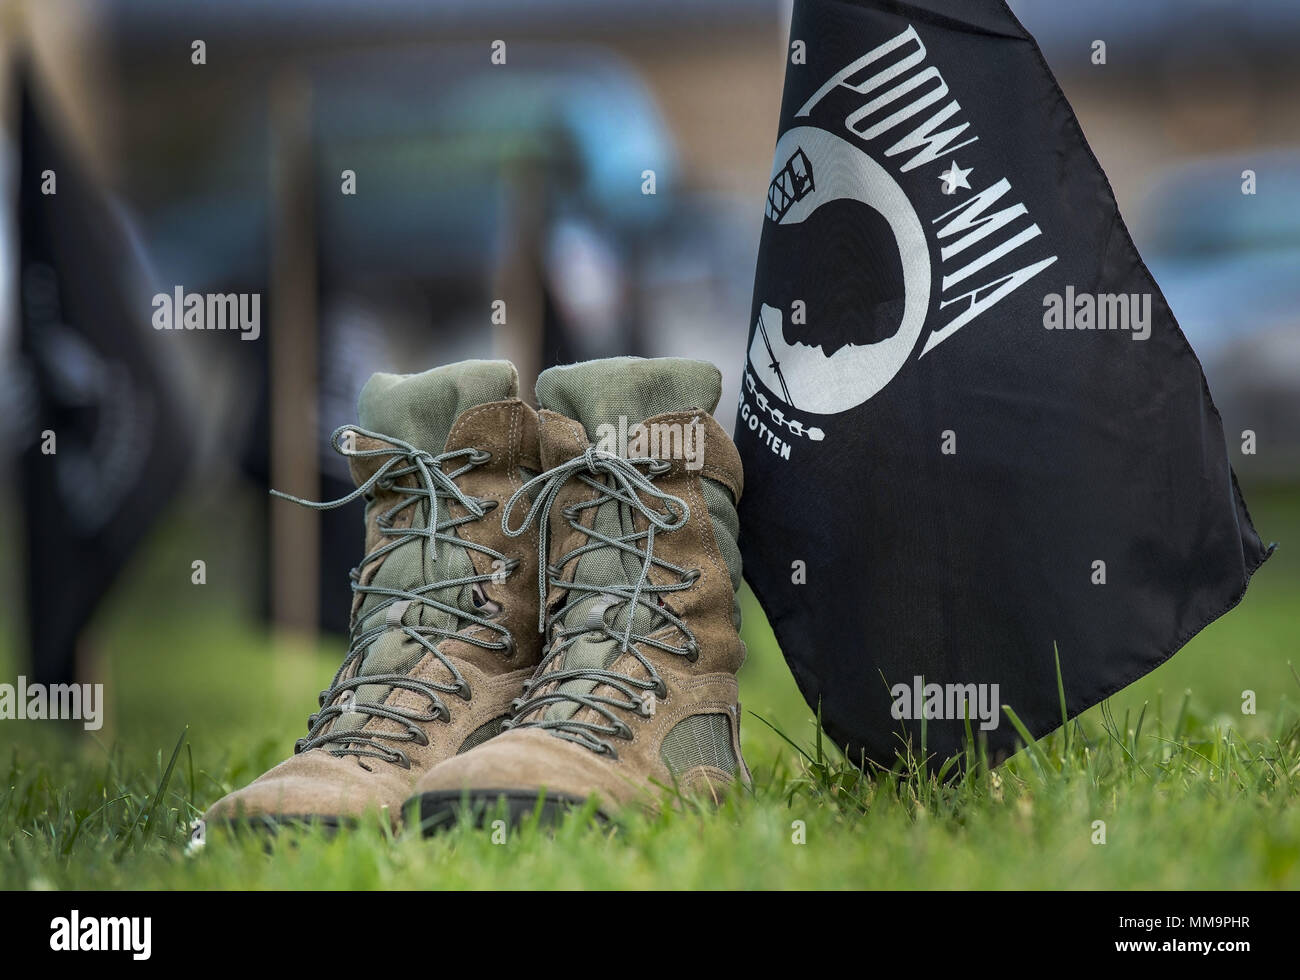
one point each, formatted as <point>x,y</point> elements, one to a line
<point>973,433</point>
<point>105,450</point>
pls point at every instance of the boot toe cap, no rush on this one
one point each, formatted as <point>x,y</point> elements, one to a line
<point>314,786</point>
<point>530,762</point>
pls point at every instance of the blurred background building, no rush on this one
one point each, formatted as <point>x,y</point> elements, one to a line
<point>501,151</point>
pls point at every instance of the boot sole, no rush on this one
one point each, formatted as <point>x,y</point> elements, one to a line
<point>441,810</point>
<point>273,824</point>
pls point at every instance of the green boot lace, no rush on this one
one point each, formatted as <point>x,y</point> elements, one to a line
<point>435,484</point>
<point>624,612</point>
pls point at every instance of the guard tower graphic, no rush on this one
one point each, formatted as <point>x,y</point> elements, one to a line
<point>792,184</point>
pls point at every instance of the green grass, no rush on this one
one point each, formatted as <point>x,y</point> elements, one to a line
<point>1193,793</point>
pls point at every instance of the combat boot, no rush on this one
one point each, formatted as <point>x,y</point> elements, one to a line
<point>445,605</point>
<point>635,695</point>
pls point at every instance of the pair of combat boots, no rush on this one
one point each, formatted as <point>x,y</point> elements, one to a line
<point>544,615</point>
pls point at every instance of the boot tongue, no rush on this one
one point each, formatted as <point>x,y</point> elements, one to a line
<point>419,409</point>
<point>614,395</point>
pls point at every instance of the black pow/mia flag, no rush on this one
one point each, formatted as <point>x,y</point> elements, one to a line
<point>973,433</point>
<point>104,448</point>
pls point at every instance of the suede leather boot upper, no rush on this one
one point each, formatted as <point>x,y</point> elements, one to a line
<point>444,613</point>
<point>636,692</point>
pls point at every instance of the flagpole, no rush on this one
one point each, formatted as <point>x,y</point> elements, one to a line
<point>517,276</point>
<point>293,358</point>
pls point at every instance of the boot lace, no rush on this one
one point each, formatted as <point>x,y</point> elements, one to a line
<point>435,482</point>
<point>614,478</point>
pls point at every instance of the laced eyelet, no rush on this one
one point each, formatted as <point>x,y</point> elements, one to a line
<point>692,651</point>
<point>384,483</point>
<point>660,466</point>
<point>402,759</point>
<point>660,688</point>
<point>515,705</point>
<point>622,730</point>
<point>691,576</point>
<point>508,650</point>
<point>487,504</point>
<point>299,745</point>
<point>418,737</point>
<point>462,689</point>
<point>479,456</point>
<point>609,750</point>
<point>570,513</point>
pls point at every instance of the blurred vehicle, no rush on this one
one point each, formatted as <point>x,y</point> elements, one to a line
<point>1160,33</point>
<point>1229,264</point>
